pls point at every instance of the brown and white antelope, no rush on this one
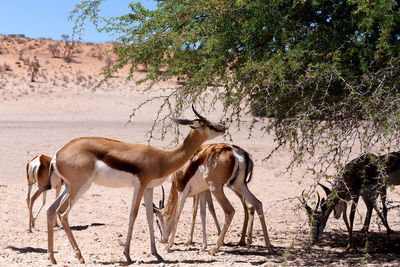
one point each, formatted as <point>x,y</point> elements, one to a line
<point>361,177</point>
<point>210,168</point>
<point>117,164</point>
<point>37,171</point>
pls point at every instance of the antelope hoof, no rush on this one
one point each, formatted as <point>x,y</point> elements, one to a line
<point>189,243</point>
<point>271,249</point>
<point>241,243</point>
<point>351,248</point>
<point>128,258</point>
<point>214,251</point>
<point>364,231</point>
<point>168,248</point>
<point>52,259</point>
<point>79,256</point>
<point>159,258</point>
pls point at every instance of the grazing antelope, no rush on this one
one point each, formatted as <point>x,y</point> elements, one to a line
<point>210,168</point>
<point>388,168</point>
<point>204,198</point>
<point>361,177</point>
<point>37,171</point>
<point>117,164</point>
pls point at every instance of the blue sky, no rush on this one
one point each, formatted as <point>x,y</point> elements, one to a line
<point>49,18</point>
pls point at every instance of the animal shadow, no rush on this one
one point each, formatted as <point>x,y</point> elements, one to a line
<point>27,249</point>
<point>84,227</point>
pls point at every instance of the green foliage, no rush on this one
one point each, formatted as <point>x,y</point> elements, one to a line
<point>327,72</point>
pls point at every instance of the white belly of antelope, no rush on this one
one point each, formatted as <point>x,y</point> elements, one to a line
<point>109,177</point>
<point>198,183</point>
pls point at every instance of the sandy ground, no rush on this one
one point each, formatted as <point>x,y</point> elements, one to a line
<point>41,117</point>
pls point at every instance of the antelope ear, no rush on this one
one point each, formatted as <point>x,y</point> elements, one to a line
<point>182,121</point>
<point>323,208</point>
<point>196,126</point>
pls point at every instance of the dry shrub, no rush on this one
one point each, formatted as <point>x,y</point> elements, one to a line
<point>54,50</point>
<point>27,61</point>
<point>66,79</point>
<point>34,69</point>
<point>80,79</point>
<point>21,54</point>
<point>20,41</point>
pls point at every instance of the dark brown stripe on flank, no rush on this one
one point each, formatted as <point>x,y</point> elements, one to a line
<point>118,164</point>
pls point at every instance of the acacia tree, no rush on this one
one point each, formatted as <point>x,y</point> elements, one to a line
<point>325,73</point>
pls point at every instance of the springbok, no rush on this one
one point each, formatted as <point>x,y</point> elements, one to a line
<point>37,171</point>
<point>361,177</point>
<point>210,168</point>
<point>117,164</point>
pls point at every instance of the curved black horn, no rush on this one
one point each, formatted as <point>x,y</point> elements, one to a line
<point>197,114</point>
<point>318,202</point>
<point>326,189</point>
<point>331,183</point>
<point>309,210</point>
<point>163,198</point>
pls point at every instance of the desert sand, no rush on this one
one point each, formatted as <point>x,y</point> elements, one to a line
<point>42,116</point>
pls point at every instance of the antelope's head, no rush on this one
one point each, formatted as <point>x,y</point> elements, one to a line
<point>317,216</point>
<point>203,125</point>
<point>160,219</point>
<point>166,213</point>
